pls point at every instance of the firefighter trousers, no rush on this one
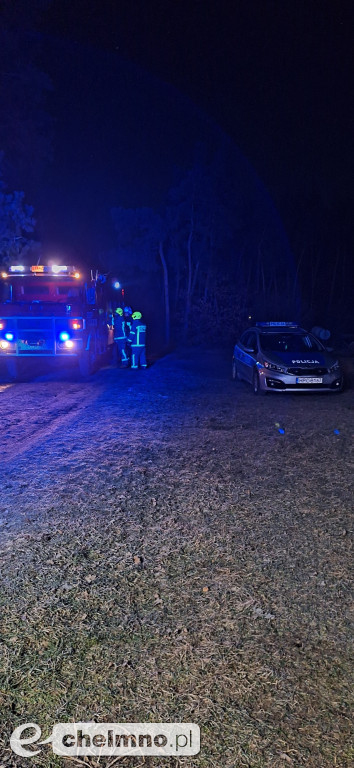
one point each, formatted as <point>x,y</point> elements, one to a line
<point>122,349</point>
<point>138,356</point>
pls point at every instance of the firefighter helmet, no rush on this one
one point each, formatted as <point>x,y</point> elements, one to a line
<point>119,311</point>
<point>137,315</point>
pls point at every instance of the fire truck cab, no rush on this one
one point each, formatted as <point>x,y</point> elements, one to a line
<point>53,312</point>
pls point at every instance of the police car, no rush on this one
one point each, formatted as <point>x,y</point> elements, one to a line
<point>284,357</point>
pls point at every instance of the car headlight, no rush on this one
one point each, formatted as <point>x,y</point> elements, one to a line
<point>274,367</point>
<point>335,368</point>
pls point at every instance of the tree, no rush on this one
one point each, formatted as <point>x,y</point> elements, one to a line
<point>16,224</point>
<point>141,235</point>
<point>204,215</point>
<point>220,245</point>
<point>191,206</point>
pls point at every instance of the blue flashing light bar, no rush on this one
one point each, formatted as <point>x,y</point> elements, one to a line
<point>277,325</point>
<point>17,268</point>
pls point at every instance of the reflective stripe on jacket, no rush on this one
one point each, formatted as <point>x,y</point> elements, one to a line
<point>121,328</point>
<point>137,334</point>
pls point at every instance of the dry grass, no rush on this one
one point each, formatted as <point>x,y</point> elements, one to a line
<point>182,560</point>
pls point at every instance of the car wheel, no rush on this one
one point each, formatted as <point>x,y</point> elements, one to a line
<point>256,384</point>
<point>235,371</point>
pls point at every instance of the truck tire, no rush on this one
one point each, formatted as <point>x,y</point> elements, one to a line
<point>88,358</point>
<point>21,370</point>
<point>86,363</point>
<point>12,368</point>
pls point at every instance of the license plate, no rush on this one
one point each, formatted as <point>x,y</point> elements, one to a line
<point>308,380</point>
<point>35,345</point>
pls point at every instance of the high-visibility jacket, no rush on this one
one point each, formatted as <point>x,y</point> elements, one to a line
<point>136,339</point>
<point>137,334</point>
<point>121,327</point>
<point>121,333</point>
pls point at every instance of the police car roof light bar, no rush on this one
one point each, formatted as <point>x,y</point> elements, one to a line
<point>280,324</point>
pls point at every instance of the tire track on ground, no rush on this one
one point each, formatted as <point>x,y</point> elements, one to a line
<point>30,417</point>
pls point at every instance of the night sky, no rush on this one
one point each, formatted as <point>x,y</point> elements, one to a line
<point>135,84</point>
<point>277,77</point>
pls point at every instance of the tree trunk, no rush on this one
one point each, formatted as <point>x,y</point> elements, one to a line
<point>209,268</point>
<point>195,278</point>
<point>206,286</point>
<point>297,273</point>
<point>264,292</point>
<point>176,288</point>
<point>166,292</point>
<point>189,280</point>
<point>333,279</point>
<point>248,281</point>
<point>314,273</point>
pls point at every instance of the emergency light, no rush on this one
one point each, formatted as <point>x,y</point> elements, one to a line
<point>17,268</point>
<point>277,324</point>
<point>55,269</point>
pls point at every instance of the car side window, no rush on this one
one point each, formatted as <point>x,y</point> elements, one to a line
<point>249,340</point>
<point>244,338</point>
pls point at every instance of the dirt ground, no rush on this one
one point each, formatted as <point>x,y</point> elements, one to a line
<point>174,548</point>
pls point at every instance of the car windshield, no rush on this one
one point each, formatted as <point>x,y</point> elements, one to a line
<point>49,291</point>
<point>288,342</point>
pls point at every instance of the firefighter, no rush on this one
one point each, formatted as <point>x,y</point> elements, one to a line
<point>136,340</point>
<point>127,314</point>
<point>121,332</point>
<point>127,311</point>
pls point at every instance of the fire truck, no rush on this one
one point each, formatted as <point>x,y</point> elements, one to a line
<point>53,312</point>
